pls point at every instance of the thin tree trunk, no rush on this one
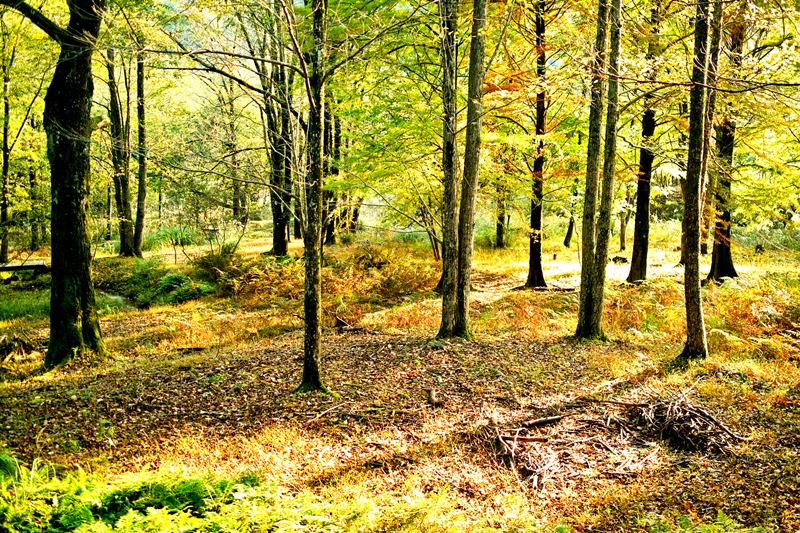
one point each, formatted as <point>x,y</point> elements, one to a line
<point>7,62</point>
<point>721,257</point>
<point>594,145</point>
<point>594,324</point>
<point>472,152</point>
<point>535,272</point>
<point>696,344</point>
<point>120,160</point>
<point>35,216</point>
<point>141,152</point>
<point>641,221</point>
<point>707,183</point>
<point>448,20</point>
<point>312,238</point>
<point>500,219</point>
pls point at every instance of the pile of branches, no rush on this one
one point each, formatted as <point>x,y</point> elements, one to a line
<point>610,438</point>
<point>682,424</point>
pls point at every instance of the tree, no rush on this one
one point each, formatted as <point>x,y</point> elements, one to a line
<point>120,158</point>
<point>448,21</point>
<point>141,149</point>
<point>641,223</point>
<point>721,257</point>
<point>593,150</point>
<point>74,324</point>
<point>472,152</point>
<point>696,345</point>
<point>535,273</point>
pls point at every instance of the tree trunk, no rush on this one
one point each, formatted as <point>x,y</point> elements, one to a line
<point>696,344</point>
<point>120,159</point>
<point>472,152</point>
<point>535,272</point>
<point>35,216</point>
<point>74,325</point>
<point>641,221</point>
<point>707,182</point>
<point>500,219</point>
<point>4,193</point>
<point>312,238</point>
<point>721,258</point>
<point>594,323</point>
<point>141,152</point>
<point>448,20</point>
<point>594,144</point>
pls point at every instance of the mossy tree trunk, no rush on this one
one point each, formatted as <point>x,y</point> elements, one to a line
<point>448,20</point>
<point>593,326</point>
<point>593,152</point>
<point>696,345</point>
<point>312,236</point>
<point>472,152</point>
<point>141,150</point>
<point>74,325</point>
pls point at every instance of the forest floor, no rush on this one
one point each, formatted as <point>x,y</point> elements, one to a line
<point>521,429</point>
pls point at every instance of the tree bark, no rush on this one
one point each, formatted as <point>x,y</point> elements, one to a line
<point>74,325</point>
<point>472,153</point>
<point>721,257</point>
<point>312,238</point>
<point>535,272</point>
<point>120,159</point>
<point>141,151</point>
<point>7,63</point>
<point>641,221</point>
<point>500,219</point>
<point>708,182</point>
<point>696,344</point>
<point>594,323</point>
<point>594,144</point>
<point>35,216</point>
<point>448,20</point>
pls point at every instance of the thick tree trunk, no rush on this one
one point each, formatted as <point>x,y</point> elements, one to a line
<point>141,153</point>
<point>535,272</point>
<point>120,159</point>
<point>594,323</point>
<point>448,20</point>
<point>472,152</point>
<point>594,145</point>
<point>696,344</point>
<point>312,238</point>
<point>74,325</point>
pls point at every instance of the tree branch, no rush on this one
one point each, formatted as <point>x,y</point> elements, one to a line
<point>53,30</point>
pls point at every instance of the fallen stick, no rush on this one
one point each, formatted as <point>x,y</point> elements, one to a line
<point>543,421</point>
<point>325,412</point>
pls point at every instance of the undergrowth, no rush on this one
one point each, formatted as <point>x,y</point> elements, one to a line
<point>39,499</point>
